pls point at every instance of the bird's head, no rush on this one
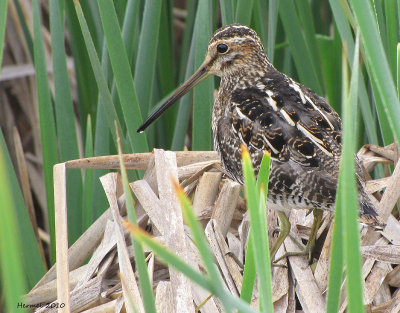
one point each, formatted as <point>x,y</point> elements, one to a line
<point>233,49</point>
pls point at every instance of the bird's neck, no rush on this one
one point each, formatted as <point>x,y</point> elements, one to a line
<point>250,69</point>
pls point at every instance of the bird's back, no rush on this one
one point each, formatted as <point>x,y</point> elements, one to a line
<point>271,112</point>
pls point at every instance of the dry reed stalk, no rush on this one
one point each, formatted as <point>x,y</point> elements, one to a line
<point>97,286</point>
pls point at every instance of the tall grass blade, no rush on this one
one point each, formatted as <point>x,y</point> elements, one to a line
<point>386,132</point>
<point>331,49</point>
<point>392,26</point>
<point>263,260</point>
<point>13,279</point>
<point>249,272</point>
<point>65,118</point>
<point>100,79</point>
<point>24,25</point>
<point>187,40</point>
<point>28,250</point>
<point>130,29</point>
<point>130,37</point>
<point>384,125</point>
<point>86,83</point>
<point>147,53</point>
<point>336,264</point>
<point>349,198</point>
<point>123,76</point>
<point>260,20</point>
<point>203,93</point>
<point>345,32</point>
<point>300,46</point>
<point>377,62</point>
<point>102,140</point>
<point>273,8</point>
<point>307,21</point>
<point>120,8</point>
<point>244,10</point>
<point>226,7</point>
<point>256,205</point>
<point>92,16</point>
<point>398,69</point>
<point>186,65</point>
<point>263,173</point>
<point>184,107</point>
<point>47,123</point>
<point>166,74</point>
<point>166,61</point>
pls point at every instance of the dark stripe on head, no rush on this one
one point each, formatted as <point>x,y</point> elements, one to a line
<point>233,30</point>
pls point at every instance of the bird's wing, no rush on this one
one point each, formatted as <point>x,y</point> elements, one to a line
<point>288,120</point>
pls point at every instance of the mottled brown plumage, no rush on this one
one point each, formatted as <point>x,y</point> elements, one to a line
<point>265,110</point>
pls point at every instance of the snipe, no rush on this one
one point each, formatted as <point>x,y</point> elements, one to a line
<point>263,109</point>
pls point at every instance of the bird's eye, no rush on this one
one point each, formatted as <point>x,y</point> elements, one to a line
<point>222,48</point>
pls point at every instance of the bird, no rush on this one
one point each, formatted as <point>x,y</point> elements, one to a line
<point>262,109</point>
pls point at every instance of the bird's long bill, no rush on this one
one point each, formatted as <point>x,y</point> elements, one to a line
<point>196,78</point>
